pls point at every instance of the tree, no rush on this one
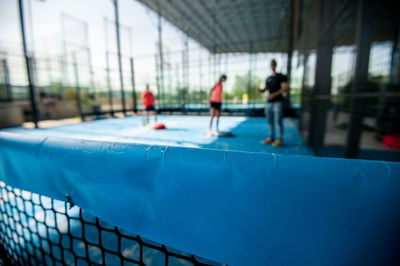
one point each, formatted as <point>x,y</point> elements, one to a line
<point>242,84</point>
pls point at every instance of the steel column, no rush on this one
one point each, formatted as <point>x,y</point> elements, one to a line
<point>65,53</point>
<point>249,83</point>
<point>161,59</point>
<point>363,42</point>
<point>178,84</point>
<point>110,93</point>
<point>78,89</point>
<point>6,74</point>
<point>320,107</point>
<point>395,58</point>
<point>302,93</point>
<point>290,50</point>
<point>185,66</point>
<point>156,62</point>
<point>28,65</point>
<point>200,79</point>
<point>121,78</point>
<point>133,86</point>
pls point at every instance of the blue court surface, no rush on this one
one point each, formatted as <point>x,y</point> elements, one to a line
<point>182,131</point>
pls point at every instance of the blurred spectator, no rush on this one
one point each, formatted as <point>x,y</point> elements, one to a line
<point>49,103</point>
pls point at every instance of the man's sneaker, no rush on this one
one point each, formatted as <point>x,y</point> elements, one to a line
<point>277,143</point>
<point>267,141</point>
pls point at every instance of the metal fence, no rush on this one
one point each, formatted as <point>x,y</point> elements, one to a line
<point>359,120</point>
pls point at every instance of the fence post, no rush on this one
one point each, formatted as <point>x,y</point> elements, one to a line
<point>133,86</point>
<point>364,37</point>
<point>28,66</point>
<point>121,79</point>
<point>7,80</point>
<point>110,96</point>
<point>78,90</point>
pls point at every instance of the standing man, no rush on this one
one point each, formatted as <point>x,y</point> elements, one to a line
<point>215,100</point>
<point>148,104</point>
<point>276,84</point>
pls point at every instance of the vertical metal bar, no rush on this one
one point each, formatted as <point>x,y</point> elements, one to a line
<point>156,61</point>
<point>78,89</point>
<point>48,63</point>
<point>397,70</point>
<point>110,93</point>
<point>28,66</point>
<point>89,55</point>
<point>226,67</point>
<point>200,79</point>
<point>49,68</point>
<point>187,73</point>
<point>7,80</point>
<point>214,67</point>
<point>320,106</point>
<point>254,63</point>
<point>178,85</point>
<point>290,50</point>
<point>249,83</point>
<point>394,67</point>
<point>133,86</point>
<point>220,64</point>
<point>91,73</point>
<point>226,63</point>
<point>363,41</point>
<point>183,90</point>
<point>64,45</point>
<point>210,73</point>
<point>121,78</point>
<point>161,61</point>
<point>169,78</point>
<point>215,39</point>
<point>302,98</point>
<point>31,51</point>
<point>30,30</point>
<point>61,87</point>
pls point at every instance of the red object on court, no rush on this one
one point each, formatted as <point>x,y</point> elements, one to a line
<point>159,126</point>
<point>391,141</point>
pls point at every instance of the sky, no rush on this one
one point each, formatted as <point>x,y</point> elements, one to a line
<point>50,23</point>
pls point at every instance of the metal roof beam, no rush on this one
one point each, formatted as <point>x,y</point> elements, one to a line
<point>223,26</point>
<point>220,27</point>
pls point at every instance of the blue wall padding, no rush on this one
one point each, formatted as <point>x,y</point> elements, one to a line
<point>233,207</point>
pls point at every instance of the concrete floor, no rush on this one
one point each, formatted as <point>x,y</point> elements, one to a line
<point>337,137</point>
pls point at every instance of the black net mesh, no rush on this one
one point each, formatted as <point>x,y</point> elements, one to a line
<point>37,230</point>
<point>350,106</point>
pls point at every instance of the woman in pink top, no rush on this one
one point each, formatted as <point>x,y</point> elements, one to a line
<point>215,102</point>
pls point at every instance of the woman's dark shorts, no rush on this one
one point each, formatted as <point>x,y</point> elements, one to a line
<point>215,105</point>
<point>150,108</point>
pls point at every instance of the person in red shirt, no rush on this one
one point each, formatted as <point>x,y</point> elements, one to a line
<point>215,100</point>
<point>148,104</point>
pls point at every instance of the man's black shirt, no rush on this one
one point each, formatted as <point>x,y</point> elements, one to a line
<point>273,84</point>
